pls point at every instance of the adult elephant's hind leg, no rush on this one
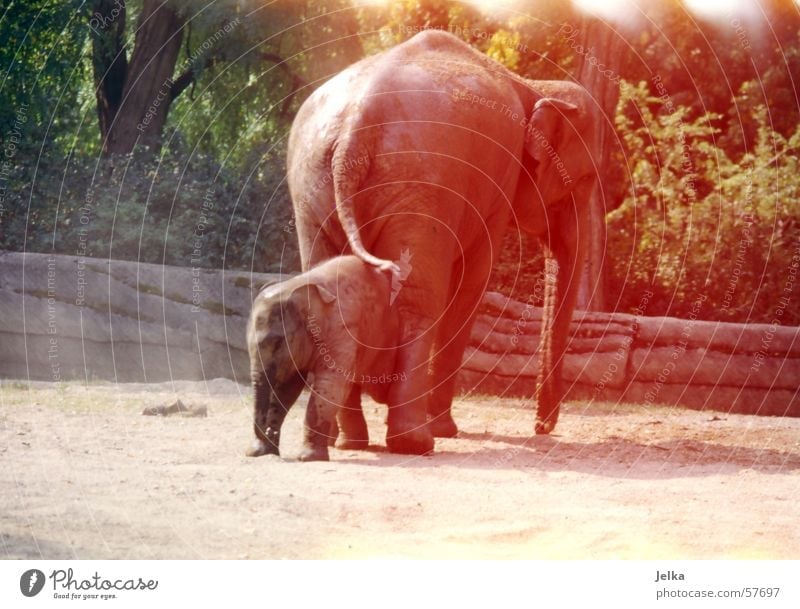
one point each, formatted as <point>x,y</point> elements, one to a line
<point>424,247</point>
<point>468,284</point>
<point>407,430</point>
<point>353,434</point>
<point>447,362</point>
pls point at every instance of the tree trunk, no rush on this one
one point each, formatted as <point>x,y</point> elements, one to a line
<point>147,93</point>
<point>598,71</point>
<point>109,61</point>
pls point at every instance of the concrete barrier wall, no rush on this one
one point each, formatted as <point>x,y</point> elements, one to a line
<point>65,317</point>
<point>743,368</point>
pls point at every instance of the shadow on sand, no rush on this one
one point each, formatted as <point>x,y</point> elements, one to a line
<point>676,458</point>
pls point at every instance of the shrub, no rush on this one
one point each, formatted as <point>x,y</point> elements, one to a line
<point>179,210</point>
<point>696,226</point>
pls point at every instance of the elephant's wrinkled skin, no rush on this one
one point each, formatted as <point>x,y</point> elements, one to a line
<point>433,148</point>
<point>333,328</point>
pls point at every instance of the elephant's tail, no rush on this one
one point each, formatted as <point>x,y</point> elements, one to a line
<point>350,165</point>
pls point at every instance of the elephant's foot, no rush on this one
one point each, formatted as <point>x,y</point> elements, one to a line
<point>259,448</point>
<point>442,426</point>
<point>344,443</point>
<point>314,453</point>
<point>353,433</point>
<point>548,406</point>
<point>320,428</point>
<point>544,425</point>
<point>334,433</point>
<point>409,439</point>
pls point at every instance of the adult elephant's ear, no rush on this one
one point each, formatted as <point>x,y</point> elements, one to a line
<point>548,138</point>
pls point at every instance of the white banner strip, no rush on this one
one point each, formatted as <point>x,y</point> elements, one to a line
<point>398,584</point>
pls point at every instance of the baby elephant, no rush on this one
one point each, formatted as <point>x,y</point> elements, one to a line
<point>334,329</point>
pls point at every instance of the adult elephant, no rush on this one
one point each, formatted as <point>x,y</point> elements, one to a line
<point>424,154</point>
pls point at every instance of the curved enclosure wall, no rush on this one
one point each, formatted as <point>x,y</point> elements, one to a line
<point>71,318</point>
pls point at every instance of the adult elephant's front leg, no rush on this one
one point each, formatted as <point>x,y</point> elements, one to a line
<point>566,253</point>
<point>353,433</point>
<point>407,430</point>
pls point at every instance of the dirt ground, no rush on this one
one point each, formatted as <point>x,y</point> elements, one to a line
<point>84,475</point>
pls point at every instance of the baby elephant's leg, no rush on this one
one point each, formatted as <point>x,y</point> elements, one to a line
<point>327,394</point>
<point>320,418</point>
<point>353,434</point>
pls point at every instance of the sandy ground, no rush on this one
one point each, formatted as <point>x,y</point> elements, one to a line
<point>84,475</point>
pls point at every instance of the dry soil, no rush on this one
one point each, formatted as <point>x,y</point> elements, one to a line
<point>84,475</point>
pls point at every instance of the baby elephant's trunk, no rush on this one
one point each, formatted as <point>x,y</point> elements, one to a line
<point>270,411</point>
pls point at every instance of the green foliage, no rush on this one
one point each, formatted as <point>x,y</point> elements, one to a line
<point>709,140</point>
<point>396,22</point>
<point>178,210</point>
<point>519,271</point>
<point>698,226</point>
<point>238,105</point>
<point>40,69</point>
<point>529,44</point>
<point>221,147</point>
<point>504,47</point>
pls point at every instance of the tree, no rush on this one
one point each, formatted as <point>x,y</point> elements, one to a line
<point>40,67</point>
<point>134,96</point>
<point>598,69</point>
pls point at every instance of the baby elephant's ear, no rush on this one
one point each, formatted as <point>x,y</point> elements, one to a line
<point>325,294</point>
